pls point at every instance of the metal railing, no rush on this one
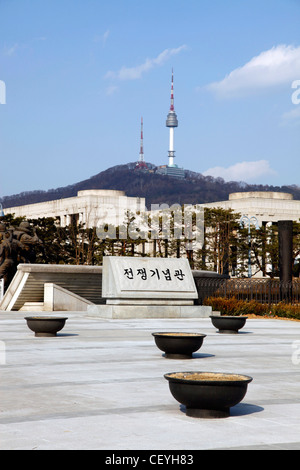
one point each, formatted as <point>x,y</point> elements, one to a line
<point>265,291</point>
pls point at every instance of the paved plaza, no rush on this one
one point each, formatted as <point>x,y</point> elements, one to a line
<point>99,385</point>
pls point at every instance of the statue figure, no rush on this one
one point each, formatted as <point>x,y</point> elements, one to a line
<point>16,246</point>
<point>26,236</point>
<point>7,264</point>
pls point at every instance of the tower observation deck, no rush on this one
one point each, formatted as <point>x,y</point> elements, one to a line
<point>171,123</point>
<point>172,169</point>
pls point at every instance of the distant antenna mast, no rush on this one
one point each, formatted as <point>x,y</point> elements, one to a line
<point>172,93</point>
<point>141,165</point>
<point>142,143</point>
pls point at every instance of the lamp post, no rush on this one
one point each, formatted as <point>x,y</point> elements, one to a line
<point>248,221</point>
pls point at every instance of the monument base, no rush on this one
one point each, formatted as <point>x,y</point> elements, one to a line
<point>149,311</point>
<point>147,302</point>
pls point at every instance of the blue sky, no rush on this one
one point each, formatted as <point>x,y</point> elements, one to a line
<point>80,74</point>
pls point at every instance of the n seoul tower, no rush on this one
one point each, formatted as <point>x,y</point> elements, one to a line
<point>172,122</point>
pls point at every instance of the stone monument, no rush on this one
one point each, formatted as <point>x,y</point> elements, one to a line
<point>137,287</point>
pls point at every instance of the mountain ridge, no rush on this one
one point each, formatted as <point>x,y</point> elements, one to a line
<point>154,187</point>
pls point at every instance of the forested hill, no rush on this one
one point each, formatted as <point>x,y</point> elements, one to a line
<point>195,188</point>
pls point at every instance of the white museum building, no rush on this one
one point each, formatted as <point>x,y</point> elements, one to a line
<point>95,206</point>
<point>90,207</point>
<point>266,207</point>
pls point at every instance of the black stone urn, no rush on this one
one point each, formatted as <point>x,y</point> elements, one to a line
<point>208,394</point>
<point>228,324</point>
<point>45,326</point>
<point>178,345</point>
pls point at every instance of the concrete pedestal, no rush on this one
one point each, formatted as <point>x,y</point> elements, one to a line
<point>149,311</point>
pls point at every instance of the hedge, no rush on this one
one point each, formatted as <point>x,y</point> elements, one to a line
<point>233,306</point>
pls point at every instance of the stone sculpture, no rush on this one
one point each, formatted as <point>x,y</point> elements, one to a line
<point>17,245</point>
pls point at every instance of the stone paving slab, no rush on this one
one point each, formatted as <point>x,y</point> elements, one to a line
<point>99,385</point>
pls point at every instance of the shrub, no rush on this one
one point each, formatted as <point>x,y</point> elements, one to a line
<point>233,306</point>
<point>286,310</point>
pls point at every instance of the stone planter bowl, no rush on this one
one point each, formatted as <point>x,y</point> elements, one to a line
<point>178,345</point>
<point>208,394</point>
<point>45,326</point>
<point>228,324</point>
